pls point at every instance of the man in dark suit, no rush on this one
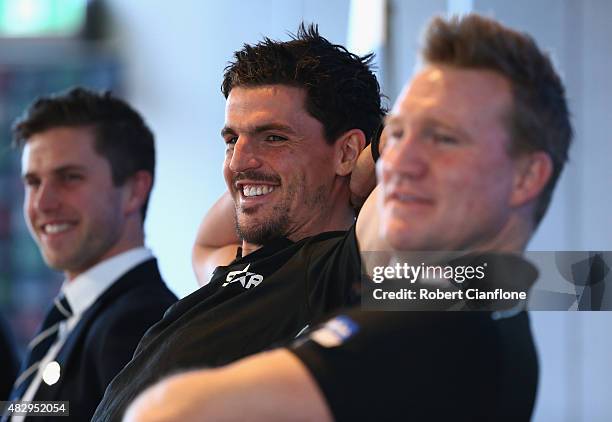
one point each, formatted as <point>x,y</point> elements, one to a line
<point>88,168</point>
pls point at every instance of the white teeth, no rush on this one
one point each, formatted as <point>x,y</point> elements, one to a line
<point>55,228</point>
<point>251,190</point>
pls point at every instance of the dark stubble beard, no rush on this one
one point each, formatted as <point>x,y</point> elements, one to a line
<point>278,225</point>
<point>269,229</point>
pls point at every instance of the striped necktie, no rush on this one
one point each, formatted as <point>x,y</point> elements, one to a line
<point>38,347</point>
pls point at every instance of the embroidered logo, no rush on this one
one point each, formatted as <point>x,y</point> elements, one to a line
<point>244,277</point>
<point>335,331</point>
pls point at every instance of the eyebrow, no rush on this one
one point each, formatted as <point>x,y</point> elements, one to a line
<point>260,129</point>
<point>390,119</point>
<point>396,119</point>
<point>59,170</point>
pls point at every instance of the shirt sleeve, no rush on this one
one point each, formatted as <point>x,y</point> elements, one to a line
<point>402,366</point>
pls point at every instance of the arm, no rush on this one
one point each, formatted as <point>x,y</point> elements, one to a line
<point>368,224</point>
<point>365,187</point>
<point>368,232</point>
<point>272,386</point>
<point>363,178</point>
<point>216,242</point>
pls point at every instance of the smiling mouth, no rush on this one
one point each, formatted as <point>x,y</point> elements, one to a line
<point>55,228</point>
<point>409,199</point>
<point>256,190</point>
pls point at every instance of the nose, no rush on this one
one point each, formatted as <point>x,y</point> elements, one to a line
<point>405,157</point>
<point>244,156</point>
<point>46,198</point>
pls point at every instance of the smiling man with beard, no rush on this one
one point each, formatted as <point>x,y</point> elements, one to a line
<point>281,174</point>
<point>298,114</point>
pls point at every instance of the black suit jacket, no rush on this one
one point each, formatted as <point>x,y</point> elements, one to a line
<point>104,340</point>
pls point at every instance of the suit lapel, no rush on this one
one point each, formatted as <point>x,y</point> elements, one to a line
<point>146,272</point>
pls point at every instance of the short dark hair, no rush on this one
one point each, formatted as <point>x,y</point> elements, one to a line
<point>539,119</point>
<point>121,135</point>
<point>341,90</point>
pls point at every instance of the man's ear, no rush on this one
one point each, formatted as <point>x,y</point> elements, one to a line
<point>137,189</point>
<point>533,171</point>
<point>347,148</point>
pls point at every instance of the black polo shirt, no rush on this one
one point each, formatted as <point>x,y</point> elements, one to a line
<point>420,365</point>
<point>424,366</point>
<point>267,297</point>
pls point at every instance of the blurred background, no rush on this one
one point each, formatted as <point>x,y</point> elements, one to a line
<point>167,58</point>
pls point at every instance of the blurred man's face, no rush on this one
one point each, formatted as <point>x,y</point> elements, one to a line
<point>446,174</point>
<point>278,166</point>
<point>72,208</point>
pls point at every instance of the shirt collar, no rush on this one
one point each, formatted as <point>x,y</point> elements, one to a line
<point>83,291</point>
<point>269,248</point>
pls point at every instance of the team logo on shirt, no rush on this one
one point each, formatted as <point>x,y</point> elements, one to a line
<point>244,277</point>
<point>335,331</point>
